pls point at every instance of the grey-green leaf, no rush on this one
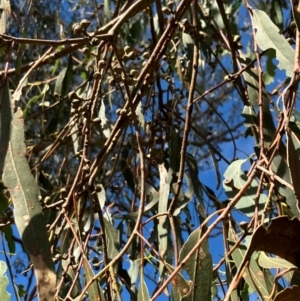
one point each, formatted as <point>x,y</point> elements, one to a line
<point>143,294</point>
<point>267,36</point>
<point>5,296</point>
<point>112,237</point>
<point>198,267</point>
<point>95,291</point>
<point>268,262</point>
<point>28,215</point>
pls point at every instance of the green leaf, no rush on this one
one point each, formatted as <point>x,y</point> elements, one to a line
<point>253,274</point>
<point>105,125</point>
<point>35,98</point>
<point>143,294</point>
<point>62,87</point>
<point>107,13</point>
<point>234,181</point>
<point>267,36</point>
<point>5,12</point>
<point>140,115</point>
<point>149,207</point>
<point>21,291</point>
<point>94,290</point>
<point>64,79</point>
<point>181,288</point>
<point>184,199</point>
<point>133,270</point>
<point>113,242</point>
<point>268,262</point>
<point>198,267</point>
<point>125,169</point>
<point>28,215</point>
<point>280,168</point>
<point>163,226</point>
<point>8,234</point>
<point>193,169</point>
<point>269,73</point>
<point>65,242</point>
<point>251,79</point>
<point>250,116</point>
<point>5,121</point>
<point>293,163</point>
<point>187,40</point>
<point>3,200</point>
<point>101,195</point>
<point>5,296</point>
<point>174,150</point>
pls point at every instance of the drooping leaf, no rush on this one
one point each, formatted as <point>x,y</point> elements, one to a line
<point>95,291</point>
<point>198,267</point>
<point>65,242</point>
<point>62,87</point>
<point>181,288</point>
<point>101,195</point>
<point>8,234</point>
<point>5,12</point>
<point>112,237</point>
<point>253,274</point>
<point>267,36</point>
<point>149,207</point>
<point>184,199</point>
<point>193,169</point>
<point>280,168</point>
<point>5,296</point>
<point>235,180</point>
<point>251,79</point>
<point>125,168</point>
<point>35,98</point>
<point>105,125</point>
<point>174,150</point>
<point>27,209</point>
<point>143,293</point>
<point>288,294</point>
<point>140,115</point>
<point>107,12</point>
<point>293,164</point>
<point>268,262</point>
<point>270,72</point>
<point>133,270</point>
<point>63,80</point>
<point>250,116</point>
<point>280,238</point>
<point>164,190</point>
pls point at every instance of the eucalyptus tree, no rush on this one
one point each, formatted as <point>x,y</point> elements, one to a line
<point>112,112</point>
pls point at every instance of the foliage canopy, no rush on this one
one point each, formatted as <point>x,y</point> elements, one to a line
<point>111,114</point>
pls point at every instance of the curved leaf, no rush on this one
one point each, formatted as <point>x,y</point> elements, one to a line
<point>199,267</point>
<point>5,296</point>
<point>95,291</point>
<point>253,274</point>
<point>267,36</point>
<point>164,191</point>
<point>112,237</point>
<point>288,294</point>
<point>143,294</point>
<point>27,209</point>
<point>268,262</point>
<point>235,180</point>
